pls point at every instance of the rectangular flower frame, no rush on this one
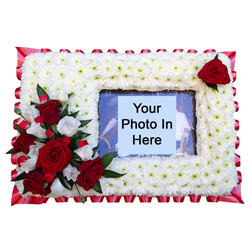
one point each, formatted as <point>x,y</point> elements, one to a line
<point>211,173</point>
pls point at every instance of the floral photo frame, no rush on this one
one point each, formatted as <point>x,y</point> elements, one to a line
<point>77,79</point>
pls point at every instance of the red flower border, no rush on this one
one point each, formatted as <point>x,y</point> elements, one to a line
<point>234,197</point>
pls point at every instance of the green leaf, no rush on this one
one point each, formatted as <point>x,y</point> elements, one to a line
<point>65,112</point>
<point>81,197</point>
<point>46,184</point>
<point>94,151</point>
<point>76,157</point>
<point>54,129</point>
<point>74,163</point>
<point>97,187</point>
<point>41,91</point>
<point>17,111</point>
<point>35,104</point>
<point>107,159</point>
<point>11,151</point>
<point>20,130</point>
<point>70,94</point>
<point>217,55</point>
<point>76,138</point>
<point>74,114</point>
<point>111,174</point>
<point>84,123</point>
<point>213,86</point>
<point>40,140</point>
<point>19,177</point>
<point>63,181</point>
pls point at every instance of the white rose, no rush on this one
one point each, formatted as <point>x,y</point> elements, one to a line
<point>71,173</point>
<point>68,126</point>
<point>30,164</point>
<point>30,113</point>
<point>57,188</point>
<point>36,130</point>
<point>85,152</point>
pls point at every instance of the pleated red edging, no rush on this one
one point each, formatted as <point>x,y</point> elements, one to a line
<point>17,198</point>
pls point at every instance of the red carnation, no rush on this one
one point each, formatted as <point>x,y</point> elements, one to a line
<point>34,182</point>
<point>54,156</point>
<point>214,72</point>
<point>23,142</point>
<point>50,112</point>
<point>91,172</point>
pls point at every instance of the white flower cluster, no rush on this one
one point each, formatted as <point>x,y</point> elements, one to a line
<point>211,172</point>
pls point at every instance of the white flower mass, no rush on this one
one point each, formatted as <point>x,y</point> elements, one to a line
<point>211,172</point>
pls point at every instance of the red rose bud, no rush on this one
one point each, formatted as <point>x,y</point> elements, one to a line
<point>65,140</point>
<point>17,108</point>
<point>39,120</point>
<point>15,122</point>
<point>23,124</point>
<point>49,177</point>
<point>82,143</point>
<point>43,98</point>
<point>17,93</point>
<point>17,105</point>
<point>21,159</point>
<point>13,159</point>
<point>49,133</point>
<point>13,140</point>
<point>214,72</point>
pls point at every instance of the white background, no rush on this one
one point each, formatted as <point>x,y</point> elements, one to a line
<point>86,25</point>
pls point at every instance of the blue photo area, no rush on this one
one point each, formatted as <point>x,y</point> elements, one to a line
<point>185,120</point>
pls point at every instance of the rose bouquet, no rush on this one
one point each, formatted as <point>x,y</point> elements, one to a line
<point>52,150</point>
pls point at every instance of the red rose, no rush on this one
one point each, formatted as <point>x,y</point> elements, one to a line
<point>91,172</point>
<point>214,72</point>
<point>23,142</point>
<point>50,112</point>
<point>34,182</point>
<point>54,156</point>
